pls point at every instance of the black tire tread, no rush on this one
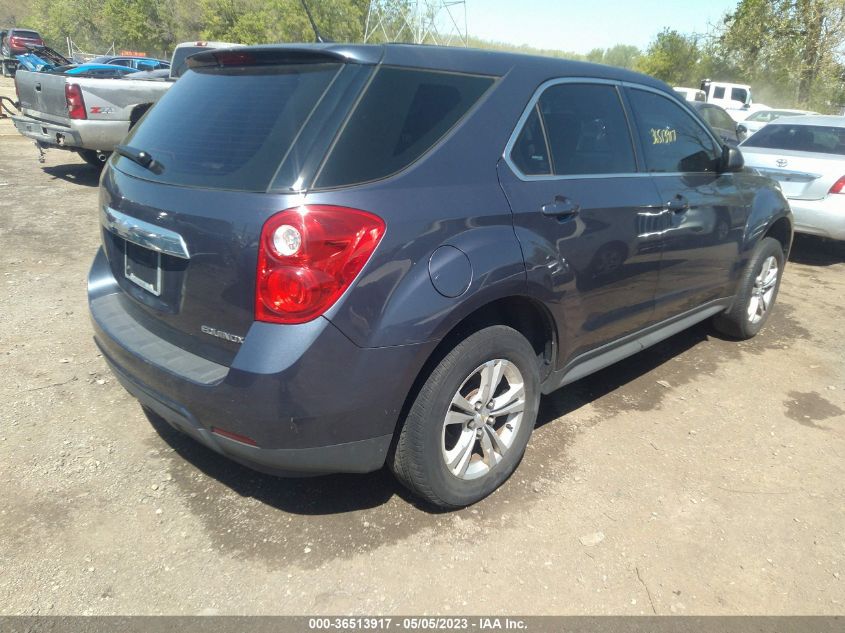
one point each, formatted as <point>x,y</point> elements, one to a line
<point>734,322</point>
<point>407,464</point>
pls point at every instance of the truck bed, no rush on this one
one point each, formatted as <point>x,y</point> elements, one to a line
<point>109,106</point>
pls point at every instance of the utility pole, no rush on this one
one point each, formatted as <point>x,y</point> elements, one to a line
<point>439,22</point>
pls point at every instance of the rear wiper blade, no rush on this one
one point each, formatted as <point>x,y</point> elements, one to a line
<point>141,157</point>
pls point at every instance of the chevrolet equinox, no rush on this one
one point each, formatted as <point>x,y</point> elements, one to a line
<point>328,258</point>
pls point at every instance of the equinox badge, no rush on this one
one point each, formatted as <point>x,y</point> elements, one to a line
<point>234,338</point>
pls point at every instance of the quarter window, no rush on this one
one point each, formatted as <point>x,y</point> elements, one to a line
<point>403,113</point>
<point>672,140</point>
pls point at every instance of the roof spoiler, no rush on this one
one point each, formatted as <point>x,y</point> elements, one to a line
<point>278,55</point>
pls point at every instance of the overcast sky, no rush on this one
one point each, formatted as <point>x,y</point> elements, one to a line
<point>581,25</point>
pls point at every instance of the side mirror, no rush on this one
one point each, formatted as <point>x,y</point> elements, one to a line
<point>741,132</point>
<point>732,160</point>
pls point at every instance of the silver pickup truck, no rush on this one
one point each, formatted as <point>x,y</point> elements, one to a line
<point>90,115</point>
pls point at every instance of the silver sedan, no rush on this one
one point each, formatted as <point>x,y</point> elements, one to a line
<point>806,155</point>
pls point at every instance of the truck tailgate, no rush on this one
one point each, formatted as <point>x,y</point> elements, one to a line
<point>42,95</point>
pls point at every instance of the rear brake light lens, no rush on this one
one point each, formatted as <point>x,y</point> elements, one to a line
<point>308,257</point>
<point>838,186</point>
<point>75,103</point>
<point>234,58</point>
<point>15,42</point>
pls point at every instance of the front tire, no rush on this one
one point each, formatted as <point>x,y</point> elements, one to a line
<point>757,291</point>
<point>470,423</point>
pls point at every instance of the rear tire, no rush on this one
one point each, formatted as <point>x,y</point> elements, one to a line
<point>757,291</point>
<point>92,157</point>
<point>470,423</point>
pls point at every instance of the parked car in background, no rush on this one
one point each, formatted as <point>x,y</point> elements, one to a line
<point>90,108</point>
<point>138,63</point>
<point>728,130</point>
<point>806,155</point>
<point>754,122</point>
<point>387,253</point>
<point>95,70</point>
<point>16,40</point>
<point>690,94</point>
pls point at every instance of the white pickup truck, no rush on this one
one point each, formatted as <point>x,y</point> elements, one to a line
<point>90,115</point>
<point>735,99</point>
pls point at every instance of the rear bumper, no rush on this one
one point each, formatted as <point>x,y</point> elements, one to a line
<point>311,400</point>
<point>825,217</point>
<point>84,134</point>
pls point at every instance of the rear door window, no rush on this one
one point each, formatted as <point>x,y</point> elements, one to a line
<point>671,138</point>
<point>228,128</point>
<point>739,94</point>
<point>587,130</point>
<point>403,113</point>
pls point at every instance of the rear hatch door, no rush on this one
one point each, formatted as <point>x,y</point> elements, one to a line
<point>229,140</point>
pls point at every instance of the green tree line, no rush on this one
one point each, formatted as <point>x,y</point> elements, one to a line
<point>790,51</point>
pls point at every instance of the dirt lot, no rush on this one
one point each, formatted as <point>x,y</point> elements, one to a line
<point>701,476</point>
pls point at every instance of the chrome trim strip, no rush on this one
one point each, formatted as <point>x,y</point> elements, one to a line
<point>772,172</point>
<point>144,234</point>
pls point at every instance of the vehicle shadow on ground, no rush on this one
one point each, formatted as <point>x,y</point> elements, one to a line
<point>816,251</point>
<point>598,385</point>
<point>79,174</point>
<point>338,494</point>
<point>326,494</point>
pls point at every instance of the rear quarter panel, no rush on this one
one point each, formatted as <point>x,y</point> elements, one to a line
<point>449,197</point>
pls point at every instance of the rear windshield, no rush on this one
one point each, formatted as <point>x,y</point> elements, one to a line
<point>402,115</point>
<point>30,35</point>
<point>228,128</point>
<point>821,139</point>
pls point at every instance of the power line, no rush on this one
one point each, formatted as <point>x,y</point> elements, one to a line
<point>440,22</point>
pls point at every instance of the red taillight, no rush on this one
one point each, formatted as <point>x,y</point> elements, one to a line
<point>307,258</point>
<point>838,186</point>
<point>75,103</point>
<point>15,42</point>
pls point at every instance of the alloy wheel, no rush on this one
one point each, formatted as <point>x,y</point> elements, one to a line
<point>763,291</point>
<point>483,419</point>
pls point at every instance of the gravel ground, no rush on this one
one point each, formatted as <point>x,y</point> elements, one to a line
<point>702,476</point>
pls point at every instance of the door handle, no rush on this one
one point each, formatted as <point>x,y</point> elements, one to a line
<point>37,87</point>
<point>678,204</point>
<point>562,208</point>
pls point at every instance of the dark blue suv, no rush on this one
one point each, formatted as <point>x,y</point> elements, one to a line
<point>330,258</point>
